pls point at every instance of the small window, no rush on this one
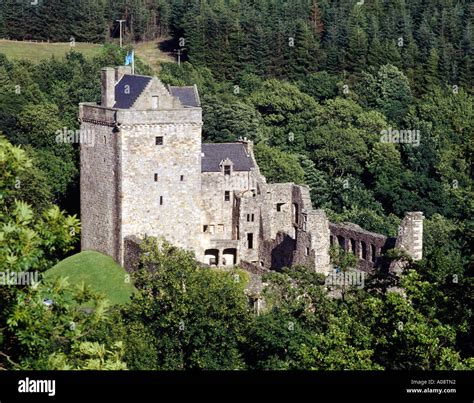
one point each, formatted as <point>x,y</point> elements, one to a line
<point>154,102</point>
<point>250,241</point>
<point>226,195</point>
<point>220,228</point>
<point>205,228</point>
<point>161,200</point>
<point>226,169</point>
<point>159,140</point>
<point>212,229</point>
<point>307,251</point>
<point>182,178</point>
<point>280,206</point>
<point>105,139</point>
<point>248,217</point>
<point>156,177</point>
<point>252,217</point>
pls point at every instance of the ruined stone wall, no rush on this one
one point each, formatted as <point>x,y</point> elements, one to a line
<point>298,234</point>
<point>217,212</point>
<point>366,246</point>
<point>280,197</point>
<point>99,173</point>
<point>249,223</point>
<point>410,235</point>
<point>317,226</point>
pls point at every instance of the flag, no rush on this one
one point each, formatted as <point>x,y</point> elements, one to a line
<point>129,59</point>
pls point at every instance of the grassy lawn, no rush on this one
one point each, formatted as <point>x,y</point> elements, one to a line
<point>99,271</point>
<point>36,51</point>
<point>150,53</point>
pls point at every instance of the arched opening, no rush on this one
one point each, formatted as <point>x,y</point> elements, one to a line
<point>363,250</point>
<point>342,242</point>
<point>372,253</point>
<point>211,257</point>
<point>229,257</point>
<point>353,246</point>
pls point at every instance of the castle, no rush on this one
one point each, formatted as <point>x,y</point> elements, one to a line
<point>149,173</point>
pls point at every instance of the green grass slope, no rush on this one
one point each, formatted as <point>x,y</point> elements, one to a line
<point>37,51</point>
<point>99,271</point>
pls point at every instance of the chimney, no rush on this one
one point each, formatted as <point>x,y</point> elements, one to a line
<point>120,71</point>
<point>248,144</point>
<point>108,87</point>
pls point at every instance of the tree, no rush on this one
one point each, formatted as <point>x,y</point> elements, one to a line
<point>388,91</point>
<point>227,121</point>
<point>194,313</point>
<point>278,166</point>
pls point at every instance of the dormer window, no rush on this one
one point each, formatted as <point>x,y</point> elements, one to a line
<point>226,167</point>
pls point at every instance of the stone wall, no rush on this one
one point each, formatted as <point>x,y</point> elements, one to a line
<point>167,205</point>
<point>132,252</point>
<point>99,183</point>
<point>365,245</point>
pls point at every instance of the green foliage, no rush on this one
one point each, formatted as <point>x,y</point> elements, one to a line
<point>278,166</point>
<point>388,91</point>
<point>228,120</point>
<point>192,313</point>
<point>48,330</point>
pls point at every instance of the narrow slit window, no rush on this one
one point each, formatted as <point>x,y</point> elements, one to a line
<point>161,200</point>
<point>156,177</point>
<point>181,178</point>
<point>250,241</point>
<point>227,195</point>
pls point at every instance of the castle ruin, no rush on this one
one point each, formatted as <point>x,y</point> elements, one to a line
<point>149,173</point>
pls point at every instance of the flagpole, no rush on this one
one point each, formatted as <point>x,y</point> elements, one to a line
<point>133,62</point>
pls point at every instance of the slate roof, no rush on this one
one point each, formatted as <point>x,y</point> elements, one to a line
<point>215,153</point>
<point>187,95</point>
<point>136,85</point>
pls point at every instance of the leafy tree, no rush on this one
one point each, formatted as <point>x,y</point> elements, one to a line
<point>228,121</point>
<point>193,313</point>
<point>278,166</point>
<point>388,91</point>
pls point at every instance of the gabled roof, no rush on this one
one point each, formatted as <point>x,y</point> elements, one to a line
<point>187,95</point>
<point>128,89</point>
<point>215,153</point>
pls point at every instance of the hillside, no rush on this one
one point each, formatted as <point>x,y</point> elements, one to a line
<point>97,270</point>
<point>36,51</point>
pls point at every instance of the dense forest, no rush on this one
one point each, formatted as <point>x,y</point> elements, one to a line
<point>315,84</point>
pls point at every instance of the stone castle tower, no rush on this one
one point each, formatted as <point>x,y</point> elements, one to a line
<point>143,175</point>
<point>148,174</point>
